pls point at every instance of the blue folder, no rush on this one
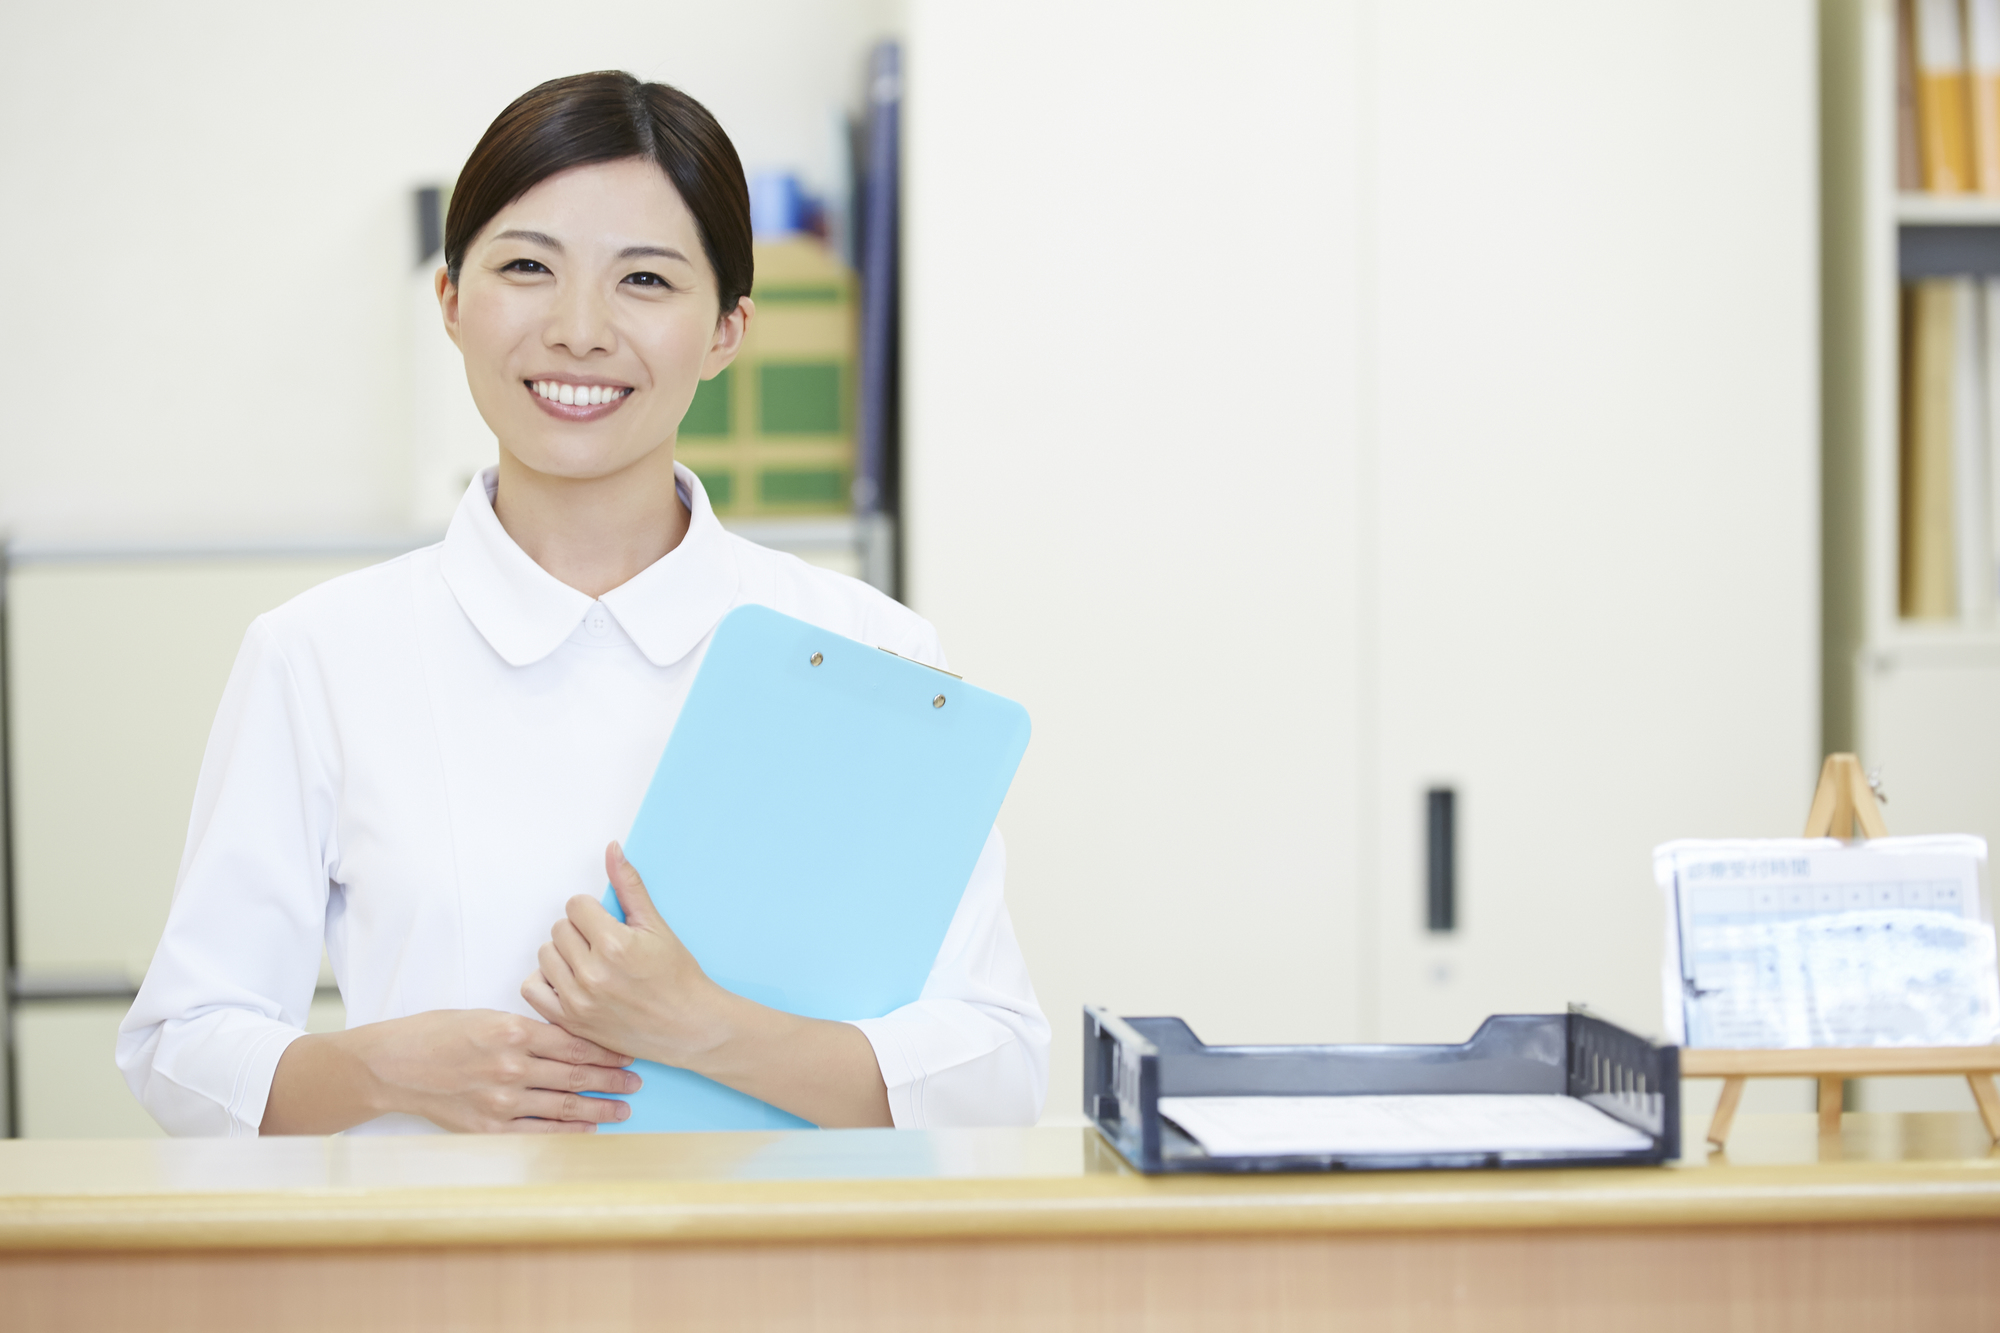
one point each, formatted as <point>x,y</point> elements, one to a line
<point>810,831</point>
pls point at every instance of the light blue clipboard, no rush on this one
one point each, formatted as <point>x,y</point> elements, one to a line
<point>810,831</point>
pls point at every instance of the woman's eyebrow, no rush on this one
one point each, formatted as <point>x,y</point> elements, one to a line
<point>547,241</point>
<point>540,238</point>
<point>653,251</point>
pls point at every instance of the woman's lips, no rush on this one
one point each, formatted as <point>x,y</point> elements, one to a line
<point>548,395</point>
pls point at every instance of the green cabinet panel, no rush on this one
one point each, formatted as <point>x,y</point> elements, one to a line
<point>720,483</point>
<point>799,398</point>
<point>800,293</point>
<point>792,486</point>
<point>708,414</point>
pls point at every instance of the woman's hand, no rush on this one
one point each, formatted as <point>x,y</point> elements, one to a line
<point>470,1070</point>
<point>635,987</point>
<point>632,986</point>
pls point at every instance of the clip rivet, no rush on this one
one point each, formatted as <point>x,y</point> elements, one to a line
<point>938,702</point>
<point>817,659</point>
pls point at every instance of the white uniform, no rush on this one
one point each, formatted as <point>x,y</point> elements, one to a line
<point>418,764</point>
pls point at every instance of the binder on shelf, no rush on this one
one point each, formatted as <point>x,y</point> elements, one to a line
<point>1982,61</point>
<point>1943,120</point>
<point>1909,148</point>
<point>1971,544</point>
<point>1931,404</point>
<point>810,831</point>
<point>1589,1067</point>
<point>1989,347</point>
<point>1948,546</point>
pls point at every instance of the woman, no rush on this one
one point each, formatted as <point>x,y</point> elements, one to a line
<point>414,765</point>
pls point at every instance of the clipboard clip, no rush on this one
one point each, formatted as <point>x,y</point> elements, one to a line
<point>925,665</point>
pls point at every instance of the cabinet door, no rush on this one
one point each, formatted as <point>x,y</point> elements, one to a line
<point>1131,497</point>
<point>1595,593</point>
<point>1930,720</point>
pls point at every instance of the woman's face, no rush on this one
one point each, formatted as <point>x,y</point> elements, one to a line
<point>587,314</point>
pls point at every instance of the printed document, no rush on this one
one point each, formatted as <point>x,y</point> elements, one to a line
<point>1399,1125</point>
<point>1791,942</point>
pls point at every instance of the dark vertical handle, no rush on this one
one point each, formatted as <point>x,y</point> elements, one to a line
<point>430,222</point>
<point>1441,859</point>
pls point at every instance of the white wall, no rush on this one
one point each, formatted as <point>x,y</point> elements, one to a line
<point>210,233</point>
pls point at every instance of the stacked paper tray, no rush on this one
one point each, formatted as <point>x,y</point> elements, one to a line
<point>1527,1090</point>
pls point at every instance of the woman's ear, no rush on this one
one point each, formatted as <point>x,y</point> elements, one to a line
<point>447,294</point>
<point>728,340</point>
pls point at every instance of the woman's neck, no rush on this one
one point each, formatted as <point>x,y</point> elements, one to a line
<point>593,533</point>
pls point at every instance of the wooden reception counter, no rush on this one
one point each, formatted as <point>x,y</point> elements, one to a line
<point>1894,1225</point>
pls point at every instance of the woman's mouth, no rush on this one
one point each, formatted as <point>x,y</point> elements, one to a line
<point>568,401</point>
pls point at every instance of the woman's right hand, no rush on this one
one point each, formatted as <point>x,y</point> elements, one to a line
<point>470,1070</point>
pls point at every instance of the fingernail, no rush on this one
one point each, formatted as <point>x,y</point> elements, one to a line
<point>633,1083</point>
<point>623,1112</point>
<point>618,850</point>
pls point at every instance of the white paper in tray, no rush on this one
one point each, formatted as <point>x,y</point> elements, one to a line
<point>1399,1125</point>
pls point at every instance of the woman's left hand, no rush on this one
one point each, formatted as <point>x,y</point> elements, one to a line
<point>630,986</point>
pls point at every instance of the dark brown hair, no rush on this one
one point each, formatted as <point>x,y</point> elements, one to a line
<point>604,117</point>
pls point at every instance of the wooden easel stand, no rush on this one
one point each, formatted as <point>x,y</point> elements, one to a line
<point>1843,806</point>
<point>1832,1066</point>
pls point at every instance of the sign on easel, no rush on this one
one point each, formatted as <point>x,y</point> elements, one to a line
<point>1825,958</point>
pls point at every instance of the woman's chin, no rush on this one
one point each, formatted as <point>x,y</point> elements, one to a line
<point>584,460</point>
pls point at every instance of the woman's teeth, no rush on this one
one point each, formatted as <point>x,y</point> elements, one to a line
<point>583,395</point>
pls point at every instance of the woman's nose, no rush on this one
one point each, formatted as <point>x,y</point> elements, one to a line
<point>580,322</point>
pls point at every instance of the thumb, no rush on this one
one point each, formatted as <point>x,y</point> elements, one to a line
<point>631,890</point>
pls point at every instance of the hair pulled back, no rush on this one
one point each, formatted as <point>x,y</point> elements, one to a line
<point>605,117</point>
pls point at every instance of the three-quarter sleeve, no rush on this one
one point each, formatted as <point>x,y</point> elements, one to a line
<point>973,1049</point>
<point>234,974</point>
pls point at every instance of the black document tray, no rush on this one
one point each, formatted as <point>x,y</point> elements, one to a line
<point>1130,1063</point>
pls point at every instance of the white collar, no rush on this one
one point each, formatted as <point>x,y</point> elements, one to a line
<point>525,612</point>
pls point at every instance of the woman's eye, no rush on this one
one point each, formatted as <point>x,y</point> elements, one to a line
<point>647,280</point>
<point>524,266</point>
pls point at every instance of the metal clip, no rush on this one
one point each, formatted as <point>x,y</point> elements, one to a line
<point>925,665</point>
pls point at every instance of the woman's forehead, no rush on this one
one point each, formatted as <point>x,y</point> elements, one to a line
<point>622,202</point>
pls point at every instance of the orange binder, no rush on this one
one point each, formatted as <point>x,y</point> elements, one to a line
<point>1943,108</point>
<point>1982,63</point>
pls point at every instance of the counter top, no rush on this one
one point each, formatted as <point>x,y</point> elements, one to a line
<point>881,1184</point>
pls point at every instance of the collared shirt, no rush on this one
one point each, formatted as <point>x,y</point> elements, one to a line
<point>417,765</point>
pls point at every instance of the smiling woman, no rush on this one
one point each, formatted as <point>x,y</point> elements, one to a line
<point>419,767</point>
<point>597,268</point>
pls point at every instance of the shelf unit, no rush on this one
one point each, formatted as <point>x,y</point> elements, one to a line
<point>1920,699</point>
<point>1947,210</point>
